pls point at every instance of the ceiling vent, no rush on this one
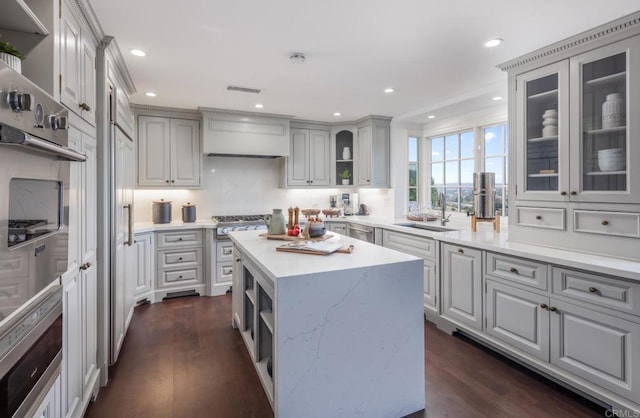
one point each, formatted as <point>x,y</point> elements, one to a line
<point>243,89</point>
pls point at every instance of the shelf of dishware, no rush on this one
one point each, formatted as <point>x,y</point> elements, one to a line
<point>543,139</point>
<point>544,95</point>
<point>608,79</point>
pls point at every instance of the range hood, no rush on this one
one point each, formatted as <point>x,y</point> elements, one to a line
<point>239,134</point>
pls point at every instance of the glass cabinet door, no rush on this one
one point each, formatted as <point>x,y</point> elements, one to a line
<point>543,96</point>
<point>601,105</point>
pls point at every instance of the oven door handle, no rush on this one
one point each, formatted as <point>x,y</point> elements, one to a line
<point>46,146</point>
<point>129,240</point>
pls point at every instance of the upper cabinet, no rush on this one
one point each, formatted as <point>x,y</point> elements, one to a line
<point>574,133</point>
<point>309,158</point>
<point>344,150</point>
<point>169,152</point>
<point>373,166</point>
<point>77,63</point>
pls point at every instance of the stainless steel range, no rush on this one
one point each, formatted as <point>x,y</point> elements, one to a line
<point>230,223</point>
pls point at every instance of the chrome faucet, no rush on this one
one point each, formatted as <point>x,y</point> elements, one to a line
<point>442,201</point>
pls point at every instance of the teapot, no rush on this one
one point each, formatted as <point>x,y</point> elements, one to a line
<point>276,223</point>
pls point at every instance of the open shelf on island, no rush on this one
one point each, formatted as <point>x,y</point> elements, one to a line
<point>251,295</point>
<point>267,318</point>
<point>267,381</point>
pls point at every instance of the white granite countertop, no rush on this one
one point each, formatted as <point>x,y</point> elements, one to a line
<point>278,264</point>
<point>484,238</point>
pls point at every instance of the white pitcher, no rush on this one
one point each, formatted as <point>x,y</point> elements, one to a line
<point>276,223</point>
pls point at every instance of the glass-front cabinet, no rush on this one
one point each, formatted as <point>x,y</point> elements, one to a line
<point>605,136</point>
<point>344,158</point>
<point>576,135</point>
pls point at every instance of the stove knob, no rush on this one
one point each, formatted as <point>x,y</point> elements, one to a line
<point>20,101</point>
<point>225,230</point>
<point>58,122</point>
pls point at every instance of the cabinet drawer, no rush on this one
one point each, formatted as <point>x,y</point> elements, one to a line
<point>621,224</point>
<point>517,270</point>
<point>224,251</point>
<point>549,218</point>
<point>597,289</point>
<point>179,258</point>
<point>179,238</point>
<point>410,244</point>
<point>179,277</point>
<point>224,272</point>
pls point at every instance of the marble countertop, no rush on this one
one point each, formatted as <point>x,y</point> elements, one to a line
<point>278,264</point>
<point>484,238</point>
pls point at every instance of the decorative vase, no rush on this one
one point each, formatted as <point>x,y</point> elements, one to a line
<point>276,223</point>
<point>346,153</point>
<point>613,114</point>
<point>12,61</point>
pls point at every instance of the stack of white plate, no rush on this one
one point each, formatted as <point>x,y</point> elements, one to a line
<point>550,123</point>
<point>612,159</point>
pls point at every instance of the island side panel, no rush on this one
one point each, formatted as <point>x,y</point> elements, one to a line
<point>350,343</point>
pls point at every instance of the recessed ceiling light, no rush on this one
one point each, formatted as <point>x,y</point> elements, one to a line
<point>259,106</point>
<point>138,52</point>
<point>497,98</point>
<point>337,114</point>
<point>389,90</point>
<point>150,94</point>
<point>297,58</point>
<point>493,42</point>
<point>431,117</point>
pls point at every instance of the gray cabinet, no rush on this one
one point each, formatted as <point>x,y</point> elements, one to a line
<point>424,248</point>
<point>179,262</point>
<point>309,157</point>
<point>169,152</point>
<point>373,153</point>
<point>462,285</point>
<point>224,266</point>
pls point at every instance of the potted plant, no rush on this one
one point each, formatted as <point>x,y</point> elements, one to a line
<point>345,176</point>
<point>11,56</point>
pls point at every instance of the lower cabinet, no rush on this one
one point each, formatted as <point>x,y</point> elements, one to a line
<point>179,263</point>
<point>49,407</point>
<point>72,346</point>
<point>223,267</point>
<point>338,227</point>
<point>462,285</point>
<point>424,248</point>
<point>145,272</point>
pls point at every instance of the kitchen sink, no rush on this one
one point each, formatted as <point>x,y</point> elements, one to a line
<point>426,227</point>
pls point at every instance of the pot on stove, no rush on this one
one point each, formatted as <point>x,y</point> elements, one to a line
<point>161,212</point>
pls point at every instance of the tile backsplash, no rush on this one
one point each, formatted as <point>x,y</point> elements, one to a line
<point>249,186</point>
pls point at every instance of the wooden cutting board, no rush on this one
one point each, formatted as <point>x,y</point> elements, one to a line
<point>285,237</point>
<point>344,250</point>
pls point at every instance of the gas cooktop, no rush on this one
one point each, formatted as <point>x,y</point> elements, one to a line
<point>230,220</point>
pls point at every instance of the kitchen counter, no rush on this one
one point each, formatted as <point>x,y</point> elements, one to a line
<point>140,227</point>
<point>485,238</point>
<point>347,333</point>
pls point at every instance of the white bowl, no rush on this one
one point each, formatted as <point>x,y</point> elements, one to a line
<point>612,159</point>
<point>550,112</point>
<point>550,130</point>
<point>550,122</point>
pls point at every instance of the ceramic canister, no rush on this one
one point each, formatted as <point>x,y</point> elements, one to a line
<point>188,213</point>
<point>613,113</point>
<point>276,224</point>
<point>161,212</point>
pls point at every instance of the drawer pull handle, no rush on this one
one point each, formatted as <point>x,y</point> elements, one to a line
<point>538,217</point>
<point>605,223</point>
<point>553,309</point>
<point>513,270</point>
<point>180,239</point>
<point>226,251</point>
<point>563,193</point>
<point>179,258</point>
<point>574,193</point>
<point>180,277</point>
<point>544,306</point>
<point>460,251</point>
<point>593,290</point>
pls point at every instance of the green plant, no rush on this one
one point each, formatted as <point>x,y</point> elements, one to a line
<point>346,174</point>
<point>8,49</point>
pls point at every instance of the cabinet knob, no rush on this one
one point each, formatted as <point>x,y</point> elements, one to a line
<point>563,193</point>
<point>553,309</point>
<point>538,217</point>
<point>513,270</point>
<point>573,193</point>
<point>166,181</point>
<point>85,266</point>
<point>180,259</point>
<point>310,181</point>
<point>544,306</point>
<point>179,277</point>
<point>460,251</point>
<point>593,290</point>
<point>85,107</point>
<point>173,181</point>
<point>237,260</point>
<point>605,223</point>
<point>180,239</point>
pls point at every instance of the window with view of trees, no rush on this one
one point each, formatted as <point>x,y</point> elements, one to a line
<point>452,167</point>
<point>413,173</point>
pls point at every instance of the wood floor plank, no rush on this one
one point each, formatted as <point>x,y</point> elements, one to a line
<point>181,358</point>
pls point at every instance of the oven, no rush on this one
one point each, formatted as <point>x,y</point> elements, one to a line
<point>34,215</point>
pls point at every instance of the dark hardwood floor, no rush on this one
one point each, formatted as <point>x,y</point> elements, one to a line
<point>181,358</point>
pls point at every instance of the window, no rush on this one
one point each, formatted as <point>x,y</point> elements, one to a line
<point>413,173</point>
<point>453,162</point>
<point>496,149</point>
<point>452,166</point>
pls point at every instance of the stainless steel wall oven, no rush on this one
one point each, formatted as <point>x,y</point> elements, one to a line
<point>34,196</point>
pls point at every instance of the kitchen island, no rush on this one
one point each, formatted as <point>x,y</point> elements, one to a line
<point>340,335</point>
